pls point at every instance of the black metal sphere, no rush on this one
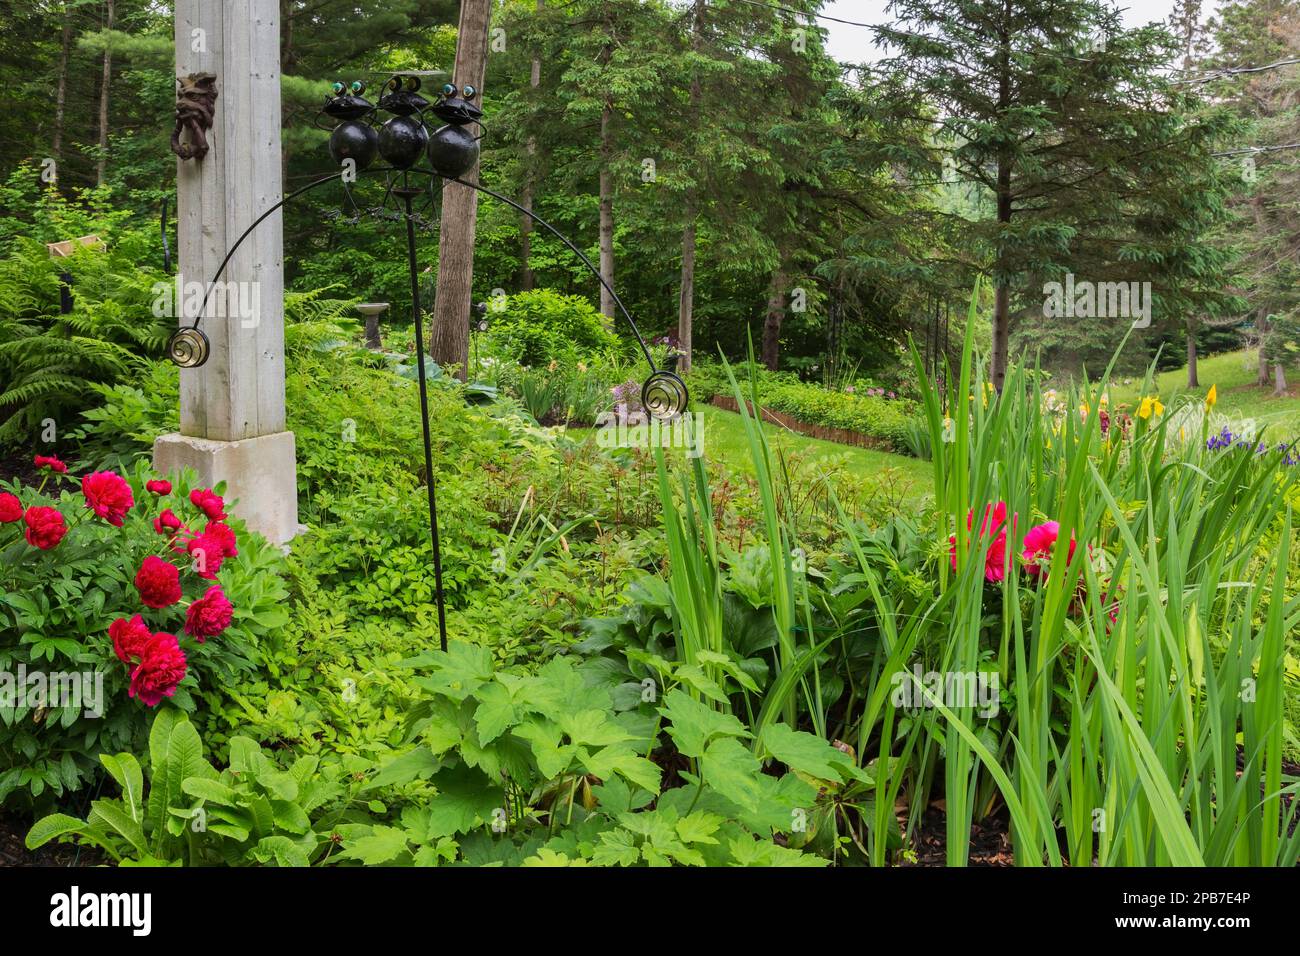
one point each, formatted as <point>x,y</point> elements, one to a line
<point>401,140</point>
<point>452,151</point>
<point>355,141</point>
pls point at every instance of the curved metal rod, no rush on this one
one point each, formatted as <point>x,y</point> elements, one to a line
<point>238,242</point>
<point>564,239</point>
<point>645,350</point>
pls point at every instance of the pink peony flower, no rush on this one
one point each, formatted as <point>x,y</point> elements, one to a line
<point>158,486</point>
<point>213,506</point>
<point>167,522</point>
<point>1039,542</point>
<point>162,667</point>
<point>995,527</point>
<point>159,583</point>
<point>11,509</point>
<point>50,462</point>
<point>208,552</point>
<point>209,615</point>
<point>108,495</point>
<point>129,638</point>
<point>223,536</point>
<point>45,527</point>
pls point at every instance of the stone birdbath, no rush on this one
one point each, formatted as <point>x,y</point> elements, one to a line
<point>372,311</point>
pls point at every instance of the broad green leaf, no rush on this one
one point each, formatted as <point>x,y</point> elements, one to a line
<point>52,826</point>
<point>729,768</point>
<point>125,769</point>
<point>694,724</point>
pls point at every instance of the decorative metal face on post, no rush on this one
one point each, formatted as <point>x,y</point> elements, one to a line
<point>352,139</point>
<point>403,138</point>
<point>453,151</point>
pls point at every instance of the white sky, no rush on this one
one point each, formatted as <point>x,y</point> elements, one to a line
<point>853,44</point>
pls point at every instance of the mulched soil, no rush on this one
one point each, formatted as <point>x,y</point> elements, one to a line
<point>14,852</point>
<point>990,842</point>
<point>18,464</point>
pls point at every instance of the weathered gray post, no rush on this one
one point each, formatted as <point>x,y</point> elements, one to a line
<point>232,407</point>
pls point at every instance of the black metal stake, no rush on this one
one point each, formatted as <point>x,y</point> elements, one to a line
<point>407,195</point>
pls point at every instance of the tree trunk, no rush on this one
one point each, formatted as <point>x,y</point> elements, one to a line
<point>1263,328</point>
<point>607,211</point>
<point>1192,381</point>
<point>102,164</point>
<point>451,301</point>
<point>686,294</point>
<point>61,93</point>
<point>998,356</point>
<point>774,317</point>
<point>526,222</point>
<point>1279,380</point>
<point>286,67</point>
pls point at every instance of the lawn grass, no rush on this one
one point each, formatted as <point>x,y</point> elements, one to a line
<point>725,444</point>
<point>1239,398</point>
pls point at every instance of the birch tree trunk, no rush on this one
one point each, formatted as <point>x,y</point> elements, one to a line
<point>102,165</point>
<point>61,93</point>
<point>607,211</point>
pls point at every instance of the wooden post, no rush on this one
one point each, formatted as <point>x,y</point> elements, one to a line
<point>232,408</point>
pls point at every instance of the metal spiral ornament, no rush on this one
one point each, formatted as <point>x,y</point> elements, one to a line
<point>188,348</point>
<point>664,395</point>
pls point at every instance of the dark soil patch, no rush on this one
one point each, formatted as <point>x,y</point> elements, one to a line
<point>15,464</point>
<point>14,852</point>
<point>990,842</point>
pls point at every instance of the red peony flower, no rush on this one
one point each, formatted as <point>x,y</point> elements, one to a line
<point>162,666</point>
<point>108,495</point>
<point>209,615</point>
<point>167,522</point>
<point>45,527</point>
<point>159,486</point>
<point>50,462</point>
<point>1039,542</point>
<point>129,637</point>
<point>11,509</point>
<point>222,535</point>
<point>994,526</point>
<point>208,553</point>
<point>211,505</point>
<point>159,583</point>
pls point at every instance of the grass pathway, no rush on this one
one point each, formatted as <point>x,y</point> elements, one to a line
<point>725,444</point>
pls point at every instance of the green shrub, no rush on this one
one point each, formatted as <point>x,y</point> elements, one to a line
<point>549,769</point>
<point>540,325</point>
<point>56,607</point>
<point>251,814</point>
<point>889,420</point>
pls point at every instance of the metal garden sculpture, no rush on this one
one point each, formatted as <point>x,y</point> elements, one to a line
<point>355,142</point>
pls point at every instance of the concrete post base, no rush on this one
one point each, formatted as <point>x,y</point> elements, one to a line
<point>259,474</point>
